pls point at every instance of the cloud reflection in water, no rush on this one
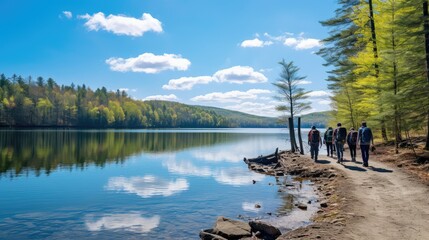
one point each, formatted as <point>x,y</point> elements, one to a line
<point>133,222</point>
<point>147,186</point>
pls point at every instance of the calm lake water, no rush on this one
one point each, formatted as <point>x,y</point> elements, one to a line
<point>126,184</point>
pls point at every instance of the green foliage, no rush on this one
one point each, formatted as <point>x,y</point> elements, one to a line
<point>289,93</point>
<point>379,79</point>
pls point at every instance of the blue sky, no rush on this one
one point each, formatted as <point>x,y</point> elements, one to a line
<point>219,53</point>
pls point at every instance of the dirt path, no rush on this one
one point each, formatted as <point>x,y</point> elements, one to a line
<point>386,203</point>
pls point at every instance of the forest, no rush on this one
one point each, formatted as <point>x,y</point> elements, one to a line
<point>43,103</point>
<point>377,53</point>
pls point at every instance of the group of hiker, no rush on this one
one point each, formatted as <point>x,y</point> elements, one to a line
<point>335,139</point>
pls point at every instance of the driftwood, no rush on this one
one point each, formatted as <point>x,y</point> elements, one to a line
<point>268,159</point>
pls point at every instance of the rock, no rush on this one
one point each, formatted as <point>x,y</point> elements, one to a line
<point>209,235</point>
<point>253,181</point>
<point>302,206</point>
<point>268,231</point>
<point>309,202</point>
<point>324,204</point>
<point>328,194</point>
<point>231,229</point>
<point>257,206</point>
<point>399,165</point>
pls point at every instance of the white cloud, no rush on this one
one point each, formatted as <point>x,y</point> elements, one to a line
<point>308,43</point>
<point>239,75</point>
<point>122,25</point>
<point>287,39</point>
<point>255,108</point>
<point>325,102</point>
<point>186,83</point>
<point>149,63</point>
<point>170,97</point>
<point>319,94</point>
<point>127,90</point>
<point>147,186</point>
<point>68,14</point>
<point>303,82</point>
<point>255,43</point>
<point>133,222</point>
<point>232,96</point>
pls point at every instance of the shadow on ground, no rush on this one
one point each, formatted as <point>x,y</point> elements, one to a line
<point>355,168</point>
<point>381,170</point>
<point>323,161</point>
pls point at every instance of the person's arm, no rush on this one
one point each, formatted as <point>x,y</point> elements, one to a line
<point>372,138</point>
<point>309,135</point>
<point>358,138</point>
<point>320,140</point>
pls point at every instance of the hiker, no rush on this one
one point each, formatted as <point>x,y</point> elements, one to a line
<point>365,138</point>
<point>352,141</point>
<point>314,140</point>
<point>327,140</point>
<point>339,136</point>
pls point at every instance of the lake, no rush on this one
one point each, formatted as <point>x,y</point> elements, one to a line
<point>139,184</point>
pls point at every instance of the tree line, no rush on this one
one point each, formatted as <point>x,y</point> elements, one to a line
<point>28,103</point>
<point>378,55</point>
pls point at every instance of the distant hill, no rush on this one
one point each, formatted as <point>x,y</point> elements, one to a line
<point>318,119</point>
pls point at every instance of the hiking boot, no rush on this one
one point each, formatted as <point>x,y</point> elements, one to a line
<point>365,164</point>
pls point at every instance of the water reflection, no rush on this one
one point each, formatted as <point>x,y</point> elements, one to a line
<point>186,168</point>
<point>133,222</point>
<point>45,151</point>
<point>250,206</point>
<point>147,186</point>
<point>237,176</point>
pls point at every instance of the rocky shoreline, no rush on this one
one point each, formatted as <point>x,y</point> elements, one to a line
<point>329,220</point>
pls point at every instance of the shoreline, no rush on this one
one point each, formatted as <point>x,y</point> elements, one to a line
<point>387,200</point>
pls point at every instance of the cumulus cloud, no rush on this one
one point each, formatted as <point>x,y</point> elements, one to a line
<point>149,63</point>
<point>298,42</point>
<point>303,82</point>
<point>170,97</point>
<point>255,43</point>
<point>127,90</point>
<point>255,108</point>
<point>147,186</point>
<point>122,25</point>
<point>302,43</point>
<point>239,74</point>
<point>232,96</point>
<point>319,94</point>
<point>236,74</point>
<point>186,83</point>
<point>67,14</point>
<point>133,222</point>
<point>325,102</point>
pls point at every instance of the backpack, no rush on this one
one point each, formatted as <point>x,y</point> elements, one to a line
<point>366,135</point>
<point>353,138</point>
<point>315,136</point>
<point>329,134</point>
<point>341,134</point>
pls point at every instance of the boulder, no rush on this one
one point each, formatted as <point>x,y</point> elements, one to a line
<point>231,229</point>
<point>324,204</point>
<point>267,230</point>
<point>302,206</point>
<point>209,235</point>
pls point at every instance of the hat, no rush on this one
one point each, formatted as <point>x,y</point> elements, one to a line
<point>313,127</point>
<point>352,128</point>
<point>338,124</point>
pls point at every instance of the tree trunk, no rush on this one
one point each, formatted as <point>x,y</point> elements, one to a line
<point>426,32</point>
<point>376,67</point>
<point>299,136</point>
<point>291,135</point>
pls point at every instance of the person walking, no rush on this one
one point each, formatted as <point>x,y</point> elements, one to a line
<point>339,136</point>
<point>365,138</point>
<point>314,140</point>
<point>327,140</point>
<point>352,141</point>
